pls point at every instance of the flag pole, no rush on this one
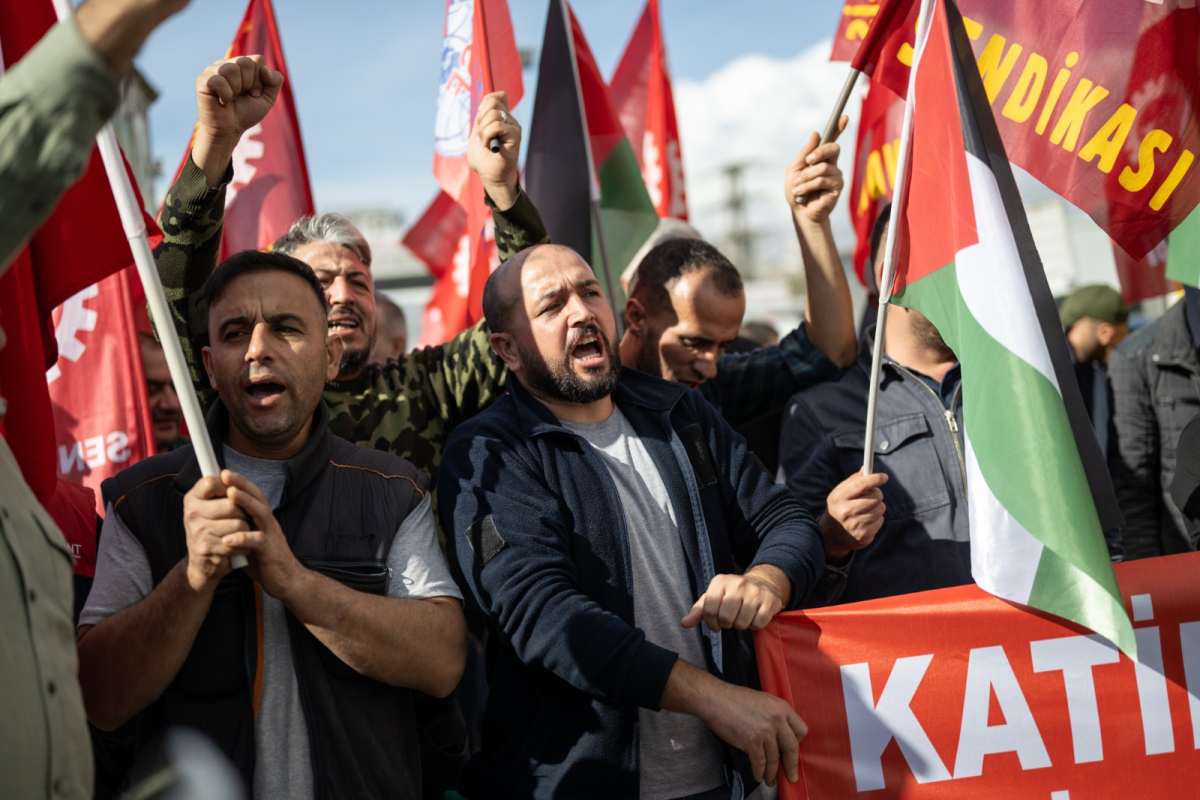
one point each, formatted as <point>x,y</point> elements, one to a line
<point>831,127</point>
<point>135,230</point>
<point>889,253</point>
<point>593,184</point>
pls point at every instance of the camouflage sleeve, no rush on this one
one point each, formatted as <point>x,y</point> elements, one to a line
<point>191,220</point>
<point>518,227</point>
<point>455,380</point>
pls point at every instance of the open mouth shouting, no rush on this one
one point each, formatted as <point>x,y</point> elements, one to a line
<point>344,323</point>
<point>588,349</point>
<point>264,391</point>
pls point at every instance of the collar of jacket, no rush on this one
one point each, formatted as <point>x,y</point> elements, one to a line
<point>1173,343</point>
<point>302,468</point>
<point>635,388</point>
<point>866,353</point>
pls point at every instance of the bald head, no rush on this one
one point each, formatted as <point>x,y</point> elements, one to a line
<point>502,293</point>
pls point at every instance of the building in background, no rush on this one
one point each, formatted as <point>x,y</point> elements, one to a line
<point>132,126</point>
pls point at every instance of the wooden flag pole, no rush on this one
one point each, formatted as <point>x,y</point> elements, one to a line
<point>135,230</point>
<point>831,127</point>
<point>889,253</point>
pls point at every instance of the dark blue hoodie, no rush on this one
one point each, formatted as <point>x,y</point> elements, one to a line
<point>537,526</point>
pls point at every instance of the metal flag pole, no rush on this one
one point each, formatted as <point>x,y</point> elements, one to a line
<point>593,184</point>
<point>831,127</point>
<point>135,230</point>
<point>889,253</point>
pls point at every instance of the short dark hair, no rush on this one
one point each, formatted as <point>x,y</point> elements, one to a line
<point>881,222</point>
<point>669,261</point>
<point>249,262</point>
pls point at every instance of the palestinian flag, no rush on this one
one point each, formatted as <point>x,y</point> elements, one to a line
<point>588,188</point>
<point>1183,251</point>
<point>967,262</point>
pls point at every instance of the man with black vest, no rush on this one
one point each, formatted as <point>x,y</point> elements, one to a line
<point>600,515</point>
<point>300,667</point>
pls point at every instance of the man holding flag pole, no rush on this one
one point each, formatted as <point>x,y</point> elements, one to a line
<point>1036,530</point>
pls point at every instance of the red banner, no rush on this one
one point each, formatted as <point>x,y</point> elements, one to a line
<point>99,433</point>
<point>955,693</point>
<point>641,92</point>
<point>270,188</point>
<point>439,238</point>
<point>1146,278</point>
<point>874,168</point>
<point>1097,101</point>
<point>857,16</point>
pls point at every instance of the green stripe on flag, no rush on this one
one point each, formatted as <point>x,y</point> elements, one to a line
<point>1022,439</point>
<point>626,213</point>
<point>1183,251</point>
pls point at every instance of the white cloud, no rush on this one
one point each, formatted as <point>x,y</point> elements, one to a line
<point>760,111</point>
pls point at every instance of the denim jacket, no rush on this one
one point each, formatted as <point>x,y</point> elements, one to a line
<point>924,542</point>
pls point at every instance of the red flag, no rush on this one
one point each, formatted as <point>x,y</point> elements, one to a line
<point>479,56</point>
<point>439,238</point>
<point>81,242</point>
<point>874,168</point>
<point>641,91</point>
<point>99,433</point>
<point>270,188</point>
<point>1097,101</point>
<point>1145,278</point>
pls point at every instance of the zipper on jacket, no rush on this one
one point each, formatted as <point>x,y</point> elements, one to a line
<point>948,415</point>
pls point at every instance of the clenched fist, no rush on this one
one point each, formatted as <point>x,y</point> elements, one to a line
<point>497,171</point>
<point>232,96</point>
<point>853,514</point>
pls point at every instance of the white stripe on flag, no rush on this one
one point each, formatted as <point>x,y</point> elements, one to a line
<point>1004,556</point>
<point>992,281</point>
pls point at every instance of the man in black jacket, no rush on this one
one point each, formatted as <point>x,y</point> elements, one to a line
<point>300,666</point>
<point>1155,379</point>
<point>589,509</point>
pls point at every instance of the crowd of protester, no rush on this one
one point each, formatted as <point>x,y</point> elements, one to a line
<point>523,563</point>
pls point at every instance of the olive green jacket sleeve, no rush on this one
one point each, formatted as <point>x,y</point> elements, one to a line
<point>518,227</point>
<point>53,102</point>
<point>191,220</point>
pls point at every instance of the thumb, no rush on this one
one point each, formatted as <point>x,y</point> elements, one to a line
<point>695,615</point>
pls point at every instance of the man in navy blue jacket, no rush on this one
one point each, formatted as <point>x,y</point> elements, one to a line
<point>589,509</point>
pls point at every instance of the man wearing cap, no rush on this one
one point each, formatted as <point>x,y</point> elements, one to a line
<point>1096,320</point>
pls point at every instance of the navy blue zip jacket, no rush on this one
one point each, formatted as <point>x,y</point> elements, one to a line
<point>537,526</point>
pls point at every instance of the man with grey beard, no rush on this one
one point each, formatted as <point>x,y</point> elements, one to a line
<point>903,528</point>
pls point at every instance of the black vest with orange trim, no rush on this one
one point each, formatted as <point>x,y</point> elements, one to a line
<point>341,508</point>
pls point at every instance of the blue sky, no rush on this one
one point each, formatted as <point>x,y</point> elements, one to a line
<point>365,74</point>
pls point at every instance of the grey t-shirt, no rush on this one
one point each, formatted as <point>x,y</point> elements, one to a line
<point>678,754</point>
<point>283,766</point>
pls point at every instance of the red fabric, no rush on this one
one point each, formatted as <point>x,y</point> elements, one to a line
<point>946,645</point>
<point>439,238</point>
<point>80,243</point>
<point>937,172</point>
<point>479,56</point>
<point>73,509</point>
<point>603,124</point>
<point>1145,278</point>
<point>100,433</point>
<point>853,27</point>
<point>1145,58</point>
<point>641,91</point>
<point>270,188</point>
<point>472,68</point>
<point>876,151</point>
<point>879,43</point>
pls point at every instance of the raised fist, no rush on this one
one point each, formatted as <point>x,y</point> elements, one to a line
<point>233,95</point>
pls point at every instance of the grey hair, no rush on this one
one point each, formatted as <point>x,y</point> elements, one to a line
<point>332,228</point>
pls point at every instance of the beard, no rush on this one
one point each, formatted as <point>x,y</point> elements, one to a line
<point>929,336</point>
<point>353,361</point>
<point>558,382</point>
